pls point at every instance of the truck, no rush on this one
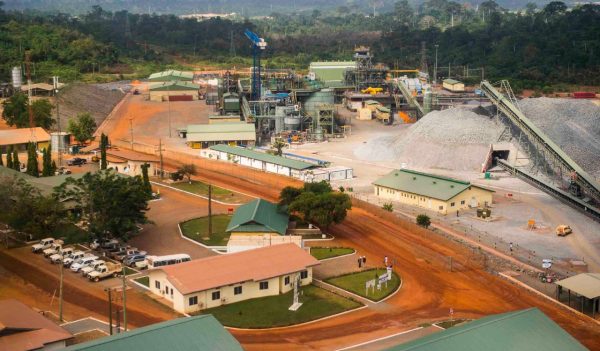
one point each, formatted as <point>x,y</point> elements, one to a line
<point>92,266</point>
<point>107,270</point>
<point>563,230</point>
<point>54,248</point>
<point>129,252</point>
<point>61,255</point>
<point>42,245</point>
<point>80,260</point>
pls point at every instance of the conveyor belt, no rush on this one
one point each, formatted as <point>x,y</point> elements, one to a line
<point>563,196</point>
<point>412,101</point>
<point>553,153</point>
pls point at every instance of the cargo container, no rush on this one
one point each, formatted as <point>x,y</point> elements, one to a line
<point>583,95</point>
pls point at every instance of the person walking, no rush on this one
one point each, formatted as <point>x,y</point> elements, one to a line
<point>385,261</point>
<point>360,262</point>
<point>364,259</point>
<point>510,246</point>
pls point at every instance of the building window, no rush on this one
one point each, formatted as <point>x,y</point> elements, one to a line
<point>237,290</point>
<point>193,300</point>
<point>441,208</point>
<point>303,274</point>
<point>287,280</point>
<point>264,285</point>
<point>157,284</point>
<point>216,295</point>
<point>452,204</point>
<point>462,202</point>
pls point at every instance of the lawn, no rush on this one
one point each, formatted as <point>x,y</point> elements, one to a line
<point>450,323</point>
<point>129,271</point>
<point>321,253</point>
<point>355,282</point>
<point>197,229</point>
<point>144,281</point>
<point>220,194</point>
<point>273,311</point>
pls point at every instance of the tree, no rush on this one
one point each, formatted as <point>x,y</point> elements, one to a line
<point>15,160</point>
<point>16,112</point>
<point>32,162</point>
<point>278,145</point>
<point>288,195</point>
<point>530,8</point>
<point>555,8</point>
<point>9,160</point>
<point>146,179</point>
<point>82,127</point>
<point>423,220</point>
<point>113,206</point>
<point>48,166</point>
<point>103,146</point>
<point>1,162</point>
<point>321,187</point>
<point>188,171</point>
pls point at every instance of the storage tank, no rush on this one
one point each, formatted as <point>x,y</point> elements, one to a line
<point>231,103</point>
<point>17,80</point>
<point>324,96</point>
<point>60,140</point>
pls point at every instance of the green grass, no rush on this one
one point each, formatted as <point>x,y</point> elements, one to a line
<point>321,253</point>
<point>355,282</point>
<point>144,281</point>
<point>272,311</point>
<point>450,324</point>
<point>219,194</point>
<point>129,271</point>
<point>196,229</point>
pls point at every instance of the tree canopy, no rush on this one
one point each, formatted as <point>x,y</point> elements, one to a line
<point>16,112</point>
<point>82,127</point>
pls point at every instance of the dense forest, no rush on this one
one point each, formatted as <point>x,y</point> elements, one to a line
<point>532,47</point>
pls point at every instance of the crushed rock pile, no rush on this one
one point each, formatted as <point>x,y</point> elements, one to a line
<point>574,125</point>
<point>454,139</point>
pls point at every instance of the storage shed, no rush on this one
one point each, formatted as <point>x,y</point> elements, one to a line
<point>453,85</point>
<point>201,136</point>
<point>331,74</point>
<point>174,91</point>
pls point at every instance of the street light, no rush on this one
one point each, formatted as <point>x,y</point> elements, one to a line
<point>435,66</point>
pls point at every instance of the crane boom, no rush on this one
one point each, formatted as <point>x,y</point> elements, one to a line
<point>258,45</point>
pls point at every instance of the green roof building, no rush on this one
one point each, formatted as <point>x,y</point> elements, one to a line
<point>171,75</point>
<point>258,217</point>
<point>437,193</point>
<point>529,330</point>
<point>199,333</point>
<point>175,90</point>
<point>331,74</point>
<point>201,136</point>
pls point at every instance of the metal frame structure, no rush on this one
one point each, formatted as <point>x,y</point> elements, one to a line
<point>556,161</point>
<point>258,45</point>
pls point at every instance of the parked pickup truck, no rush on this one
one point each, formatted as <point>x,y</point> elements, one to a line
<point>108,270</point>
<point>94,265</point>
<point>54,248</point>
<point>99,243</point>
<point>61,255</point>
<point>129,252</point>
<point>82,262</point>
<point>73,257</point>
<point>42,245</point>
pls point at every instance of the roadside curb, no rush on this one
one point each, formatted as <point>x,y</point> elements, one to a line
<point>379,339</point>
<point>360,298</point>
<point>333,258</point>
<point>192,194</point>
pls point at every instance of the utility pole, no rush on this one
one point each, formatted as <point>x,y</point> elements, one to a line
<point>131,131</point>
<point>60,290</point>
<point>435,66</point>
<point>109,310</point>
<point>209,210</point>
<point>60,139</point>
<point>448,69</point>
<point>118,322</point>
<point>124,301</point>
<point>160,152</point>
<point>169,104</point>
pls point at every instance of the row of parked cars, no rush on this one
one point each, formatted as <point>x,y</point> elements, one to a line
<point>76,260</point>
<point>129,256</point>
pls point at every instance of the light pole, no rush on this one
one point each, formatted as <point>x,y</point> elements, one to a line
<point>435,66</point>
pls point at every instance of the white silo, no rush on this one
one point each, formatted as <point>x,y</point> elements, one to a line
<point>17,79</point>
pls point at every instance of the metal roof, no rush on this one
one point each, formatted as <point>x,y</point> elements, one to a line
<point>22,136</point>
<point>586,284</point>
<point>173,85</point>
<point>221,132</point>
<point>171,75</point>
<point>261,156</point>
<point>332,64</point>
<point>202,332</point>
<point>259,216</point>
<point>429,185</point>
<point>528,329</point>
<point>452,81</point>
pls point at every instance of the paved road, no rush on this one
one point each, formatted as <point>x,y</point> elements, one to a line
<point>162,237</point>
<point>85,325</point>
<point>393,340</point>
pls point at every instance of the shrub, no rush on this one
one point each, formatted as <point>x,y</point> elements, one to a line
<point>388,207</point>
<point>423,220</point>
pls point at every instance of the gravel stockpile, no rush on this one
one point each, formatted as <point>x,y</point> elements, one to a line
<point>574,125</point>
<point>454,139</point>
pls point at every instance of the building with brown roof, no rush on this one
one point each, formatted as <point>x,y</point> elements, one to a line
<point>130,162</point>
<point>20,137</point>
<point>224,279</point>
<point>21,328</point>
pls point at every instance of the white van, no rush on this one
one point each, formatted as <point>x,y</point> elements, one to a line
<point>160,261</point>
<point>82,262</point>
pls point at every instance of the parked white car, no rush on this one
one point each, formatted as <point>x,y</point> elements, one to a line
<point>91,267</point>
<point>42,245</point>
<point>82,262</point>
<point>61,254</point>
<point>53,249</point>
<point>73,257</point>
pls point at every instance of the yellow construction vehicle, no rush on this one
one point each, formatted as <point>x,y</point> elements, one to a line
<point>563,230</point>
<point>371,90</point>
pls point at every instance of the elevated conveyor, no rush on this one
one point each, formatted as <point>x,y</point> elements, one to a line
<point>563,166</point>
<point>412,101</point>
